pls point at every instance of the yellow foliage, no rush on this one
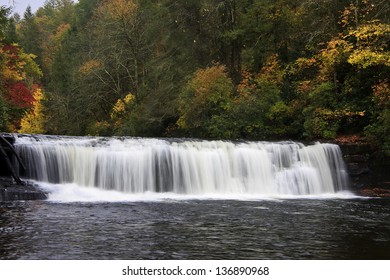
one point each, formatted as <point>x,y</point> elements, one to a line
<point>33,121</point>
<point>19,65</point>
<point>205,79</point>
<point>372,45</point>
<point>373,33</point>
<point>119,10</point>
<point>366,58</point>
<point>336,52</point>
<point>122,105</point>
<point>61,31</point>
<point>89,66</point>
<point>207,93</point>
<point>14,66</point>
<point>305,63</point>
<point>11,74</point>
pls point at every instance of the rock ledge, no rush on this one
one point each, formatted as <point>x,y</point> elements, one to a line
<point>9,191</point>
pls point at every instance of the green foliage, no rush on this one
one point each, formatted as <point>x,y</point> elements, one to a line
<point>379,131</point>
<point>207,94</point>
<point>3,115</point>
<point>102,128</point>
<point>4,11</point>
<point>379,128</point>
<point>282,116</point>
<point>18,77</point>
<point>261,114</point>
<point>291,69</point>
<point>321,123</point>
<point>30,36</point>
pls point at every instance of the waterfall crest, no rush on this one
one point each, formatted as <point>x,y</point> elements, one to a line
<point>138,165</point>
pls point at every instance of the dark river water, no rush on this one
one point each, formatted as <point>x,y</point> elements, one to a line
<point>197,229</point>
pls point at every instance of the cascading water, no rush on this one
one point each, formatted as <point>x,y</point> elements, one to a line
<point>136,165</point>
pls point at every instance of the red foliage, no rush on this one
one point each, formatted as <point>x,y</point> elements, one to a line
<point>20,96</point>
<point>13,51</point>
<point>11,48</point>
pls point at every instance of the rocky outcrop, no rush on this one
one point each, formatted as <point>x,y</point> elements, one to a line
<point>375,192</point>
<point>9,191</point>
<point>11,186</point>
<point>369,169</point>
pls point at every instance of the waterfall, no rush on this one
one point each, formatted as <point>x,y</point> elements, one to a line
<point>138,165</point>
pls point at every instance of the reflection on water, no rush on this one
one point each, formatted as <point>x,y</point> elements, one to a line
<point>197,229</point>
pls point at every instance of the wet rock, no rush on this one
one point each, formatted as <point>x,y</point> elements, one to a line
<point>375,192</point>
<point>10,191</point>
<point>356,168</point>
<point>366,165</point>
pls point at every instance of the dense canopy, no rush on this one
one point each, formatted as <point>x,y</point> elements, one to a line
<point>225,69</point>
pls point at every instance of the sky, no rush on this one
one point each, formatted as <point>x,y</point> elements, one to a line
<point>19,6</point>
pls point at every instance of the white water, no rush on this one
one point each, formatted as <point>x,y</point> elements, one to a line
<point>140,168</point>
<point>68,193</point>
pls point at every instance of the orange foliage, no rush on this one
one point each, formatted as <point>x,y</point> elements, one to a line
<point>121,10</point>
<point>382,93</point>
<point>246,85</point>
<point>272,71</point>
<point>353,14</point>
<point>348,139</point>
<point>305,87</point>
<point>62,29</point>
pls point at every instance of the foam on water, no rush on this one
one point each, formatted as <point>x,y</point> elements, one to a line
<point>69,193</point>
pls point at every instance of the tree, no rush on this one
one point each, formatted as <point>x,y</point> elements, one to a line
<point>118,44</point>
<point>4,11</point>
<point>312,68</point>
<point>258,110</point>
<point>29,35</point>
<point>349,67</point>
<point>372,45</point>
<point>206,95</point>
<point>19,73</point>
<point>34,120</point>
<point>379,129</point>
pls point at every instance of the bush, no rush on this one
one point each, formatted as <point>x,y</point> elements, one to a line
<point>379,131</point>
<point>206,95</point>
<point>321,123</point>
<point>102,128</point>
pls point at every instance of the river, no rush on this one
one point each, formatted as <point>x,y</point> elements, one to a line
<point>326,228</point>
<point>134,198</point>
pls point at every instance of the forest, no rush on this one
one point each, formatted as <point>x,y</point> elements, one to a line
<point>212,69</point>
